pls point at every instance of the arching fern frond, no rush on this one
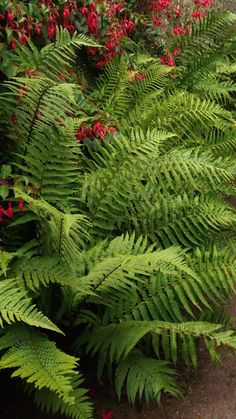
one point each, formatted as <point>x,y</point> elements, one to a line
<point>53,59</point>
<point>51,403</point>
<point>116,341</point>
<point>16,306</point>
<point>38,361</point>
<point>145,377</point>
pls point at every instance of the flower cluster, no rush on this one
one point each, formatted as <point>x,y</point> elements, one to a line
<point>107,21</point>
<point>9,212</point>
<point>97,131</point>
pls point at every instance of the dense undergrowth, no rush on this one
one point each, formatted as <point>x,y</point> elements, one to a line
<point>117,241</point>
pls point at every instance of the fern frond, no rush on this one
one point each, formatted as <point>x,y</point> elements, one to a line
<point>16,306</point>
<point>53,59</point>
<point>5,259</point>
<point>115,341</point>
<point>65,233</point>
<point>146,377</point>
<point>38,361</point>
<point>52,403</point>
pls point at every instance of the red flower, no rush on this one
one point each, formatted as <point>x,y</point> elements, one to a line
<point>2,16</point>
<point>21,205</point>
<point>81,133</point>
<point>84,10</point>
<point>176,52</point>
<point>10,210</point>
<point>99,129</point>
<point>128,24</point>
<point>23,39</point>
<point>171,62</point>
<point>163,59</point>
<point>38,29</point>
<point>178,31</point>
<point>106,414</point>
<point>111,130</point>
<point>13,44</point>
<point>92,51</point>
<point>9,17</point>
<point>61,76</point>
<point>92,21</point>
<point>157,21</point>
<point>66,12</point>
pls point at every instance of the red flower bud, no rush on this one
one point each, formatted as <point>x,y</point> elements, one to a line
<point>10,210</point>
<point>13,44</point>
<point>21,205</point>
<point>38,29</point>
<point>111,130</point>
<point>176,52</point>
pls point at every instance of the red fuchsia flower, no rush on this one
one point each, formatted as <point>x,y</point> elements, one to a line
<point>81,134</point>
<point>9,17</point>
<point>38,29</point>
<point>99,129</point>
<point>101,63</point>
<point>163,59</point>
<point>84,10</point>
<point>128,24</point>
<point>157,21</point>
<point>178,11</point>
<point>171,62</point>
<point>111,130</point>
<point>13,44</point>
<point>66,12</point>
<point>23,39</point>
<point>92,21</point>
<point>106,414</point>
<point>61,76</point>
<point>92,51</point>
<point>176,52</point>
<point>178,31</point>
<point>10,210</point>
<point>197,14</point>
<point>21,206</point>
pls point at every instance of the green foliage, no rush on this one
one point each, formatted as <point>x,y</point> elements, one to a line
<point>128,245</point>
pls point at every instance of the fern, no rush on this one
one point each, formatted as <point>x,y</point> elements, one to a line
<point>130,241</point>
<point>38,361</point>
<point>15,306</point>
<point>145,377</point>
<point>53,59</point>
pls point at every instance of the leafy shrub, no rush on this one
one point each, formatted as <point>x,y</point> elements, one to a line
<point>121,237</point>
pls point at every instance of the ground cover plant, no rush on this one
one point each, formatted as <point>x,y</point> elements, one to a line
<point>117,241</point>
